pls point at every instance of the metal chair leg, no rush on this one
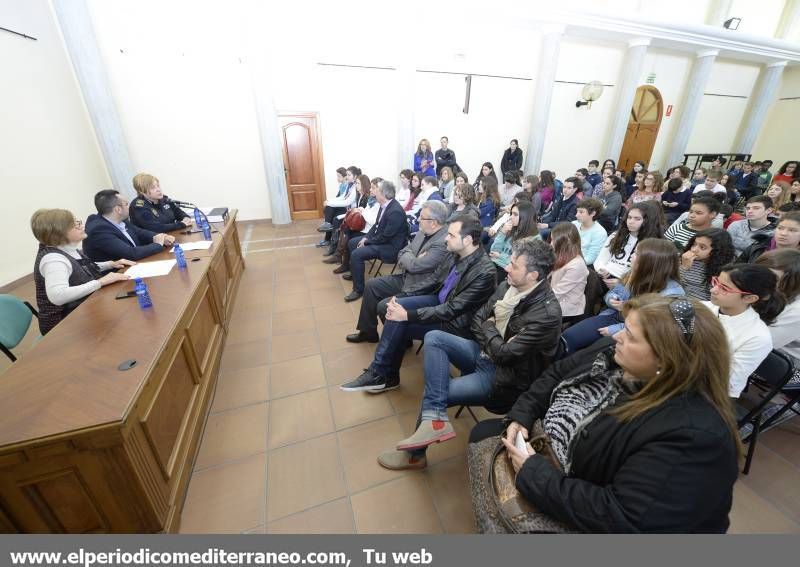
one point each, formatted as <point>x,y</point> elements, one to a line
<point>458,413</point>
<point>420,346</point>
<point>8,353</point>
<point>751,449</point>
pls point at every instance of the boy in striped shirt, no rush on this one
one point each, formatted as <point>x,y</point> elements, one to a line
<point>701,214</point>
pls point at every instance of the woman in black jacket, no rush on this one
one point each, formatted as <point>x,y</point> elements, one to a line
<point>512,158</point>
<point>644,430</point>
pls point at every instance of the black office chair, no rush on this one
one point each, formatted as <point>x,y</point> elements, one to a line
<point>770,377</point>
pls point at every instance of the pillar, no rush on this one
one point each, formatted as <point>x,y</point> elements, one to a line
<point>632,69</point>
<point>76,27</point>
<point>405,92</point>
<point>690,105</point>
<point>542,96</point>
<point>763,96</point>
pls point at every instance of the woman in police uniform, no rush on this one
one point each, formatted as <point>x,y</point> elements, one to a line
<point>154,211</point>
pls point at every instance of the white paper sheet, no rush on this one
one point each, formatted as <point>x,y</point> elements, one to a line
<point>215,218</point>
<point>199,245</point>
<point>150,269</point>
<point>501,221</point>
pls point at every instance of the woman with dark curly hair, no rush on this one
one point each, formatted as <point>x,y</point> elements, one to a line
<point>703,257</point>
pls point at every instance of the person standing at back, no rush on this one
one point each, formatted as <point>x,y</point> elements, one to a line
<point>423,159</point>
<point>512,158</point>
<point>445,157</point>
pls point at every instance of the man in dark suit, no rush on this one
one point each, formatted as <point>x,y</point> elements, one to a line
<point>384,240</point>
<point>420,258</point>
<point>109,234</point>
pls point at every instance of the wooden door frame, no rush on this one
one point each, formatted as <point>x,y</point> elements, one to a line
<point>658,127</point>
<point>322,194</point>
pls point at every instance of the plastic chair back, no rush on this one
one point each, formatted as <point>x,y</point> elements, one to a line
<point>15,319</point>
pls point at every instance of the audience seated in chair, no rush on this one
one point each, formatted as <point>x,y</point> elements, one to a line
<point>569,276</point>
<point>787,236</point>
<point>426,252</point>
<point>757,212</point>
<point>701,216</point>
<point>703,258</point>
<point>383,241</point>
<point>563,209</point>
<point>592,234</point>
<point>446,299</point>
<point>346,197</point>
<point>110,236</point>
<point>367,207</point>
<point>522,224</point>
<point>515,338</point>
<point>643,431</point>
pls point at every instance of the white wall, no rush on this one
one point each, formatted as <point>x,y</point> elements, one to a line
<point>49,156</point>
<point>759,18</point>
<point>720,117</point>
<point>778,139</point>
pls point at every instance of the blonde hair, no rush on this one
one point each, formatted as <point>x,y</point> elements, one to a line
<point>701,364</point>
<point>143,181</point>
<point>50,226</point>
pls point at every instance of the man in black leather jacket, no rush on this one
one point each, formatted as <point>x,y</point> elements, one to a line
<point>445,299</point>
<point>516,337</point>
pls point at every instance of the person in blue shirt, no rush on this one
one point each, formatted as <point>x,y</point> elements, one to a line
<point>424,162</point>
<point>593,235</point>
<point>594,176</point>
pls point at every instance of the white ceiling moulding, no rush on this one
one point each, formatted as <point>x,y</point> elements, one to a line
<point>671,35</point>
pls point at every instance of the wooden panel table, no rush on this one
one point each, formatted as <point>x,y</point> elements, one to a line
<point>88,448</point>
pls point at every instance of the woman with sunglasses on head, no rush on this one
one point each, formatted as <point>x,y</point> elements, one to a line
<point>641,428</point>
<point>63,275</point>
<point>745,298</point>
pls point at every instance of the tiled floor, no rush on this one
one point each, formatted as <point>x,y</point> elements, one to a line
<point>285,451</point>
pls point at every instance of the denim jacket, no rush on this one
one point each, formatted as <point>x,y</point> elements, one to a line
<point>622,293</point>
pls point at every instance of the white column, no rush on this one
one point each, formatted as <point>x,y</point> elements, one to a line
<point>764,95</point>
<point>542,95</point>
<point>76,28</point>
<point>405,89</point>
<point>718,12</point>
<point>690,105</point>
<point>789,20</point>
<point>632,69</point>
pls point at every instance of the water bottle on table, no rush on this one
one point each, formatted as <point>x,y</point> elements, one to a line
<point>206,230</point>
<point>198,218</point>
<point>142,295</point>
<point>180,258</point>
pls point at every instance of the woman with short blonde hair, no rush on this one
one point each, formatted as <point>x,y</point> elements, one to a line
<point>62,273</point>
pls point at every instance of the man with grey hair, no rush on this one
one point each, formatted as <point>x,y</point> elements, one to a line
<point>420,258</point>
<point>384,240</point>
<point>516,338</point>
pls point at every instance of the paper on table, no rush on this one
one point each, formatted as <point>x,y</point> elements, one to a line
<point>150,269</point>
<point>199,245</point>
<point>501,221</point>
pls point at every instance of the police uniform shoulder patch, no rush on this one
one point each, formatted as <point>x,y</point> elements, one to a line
<point>138,203</point>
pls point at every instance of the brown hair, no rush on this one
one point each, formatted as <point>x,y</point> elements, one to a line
<point>784,197</point>
<point>701,364</point>
<point>365,183</point>
<point>786,260</point>
<point>566,242</point>
<point>591,205</point>
<point>656,263</point>
<point>467,193</point>
<point>449,170</point>
<point>143,181</point>
<point>50,226</point>
<point>658,181</point>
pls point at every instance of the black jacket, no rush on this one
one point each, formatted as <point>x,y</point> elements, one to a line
<point>474,286</point>
<point>535,327</point>
<point>165,216</point>
<point>562,211</point>
<point>104,241</point>
<point>392,230</point>
<point>446,158</point>
<point>670,470</point>
<point>511,161</point>
<point>760,245</point>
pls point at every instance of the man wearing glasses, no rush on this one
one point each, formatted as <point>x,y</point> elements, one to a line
<point>421,257</point>
<point>110,235</point>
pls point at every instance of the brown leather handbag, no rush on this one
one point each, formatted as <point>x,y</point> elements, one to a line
<point>354,220</point>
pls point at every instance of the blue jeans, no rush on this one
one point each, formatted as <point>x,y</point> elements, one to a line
<point>442,391</point>
<point>581,335</point>
<point>392,346</point>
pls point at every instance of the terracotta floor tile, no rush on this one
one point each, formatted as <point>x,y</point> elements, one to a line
<point>260,530</point>
<point>244,355</point>
<point>232,435</point>
<point>360,447</point>
<point>299,417</point>
<point>293,322</point>
<point>333,314</point>
<point>303,475</point>
<point>245,329</point>
<point>290,301</point>
<point>354,408</point>
<point>753,514</point>
<point>775,479</point>
<point>449,485</point>
<point>402,506</point>
<point>345,364</point>
<point>294,345</point>
<point>241,388</point>
<point>331,518</point>
<point>322,297</point>
<point>226,499</point>
<point>295,376</point>
<point>784,440</point>
<point>288,288</point>
<point>408,397</point>
<point>333,336</point>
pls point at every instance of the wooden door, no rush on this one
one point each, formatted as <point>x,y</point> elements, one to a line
<point>643,125</point>
<point>302,159</point>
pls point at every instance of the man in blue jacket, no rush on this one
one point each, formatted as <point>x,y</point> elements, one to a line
<point>384,240</point>
<point>109,234</point>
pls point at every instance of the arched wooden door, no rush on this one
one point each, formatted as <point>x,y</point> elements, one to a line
<point>302,155</point>
<point>643,125</point>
